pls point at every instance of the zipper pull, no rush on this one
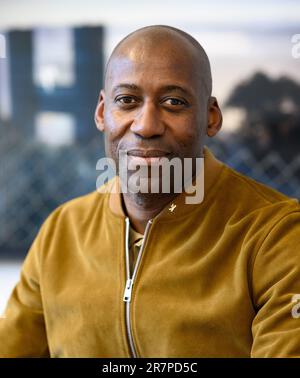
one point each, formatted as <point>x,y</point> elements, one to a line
<point>128,290</point>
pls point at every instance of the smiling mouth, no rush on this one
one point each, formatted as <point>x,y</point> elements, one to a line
<point>148,153</point>
<point>146,157</point>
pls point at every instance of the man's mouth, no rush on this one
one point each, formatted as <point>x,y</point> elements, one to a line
<point>147,153</point>
<point>146,157</point>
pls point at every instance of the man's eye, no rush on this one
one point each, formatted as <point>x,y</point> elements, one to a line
<point>174,101</point>
<point>127,100</point>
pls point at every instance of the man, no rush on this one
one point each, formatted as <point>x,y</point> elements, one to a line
<point>135,274</point>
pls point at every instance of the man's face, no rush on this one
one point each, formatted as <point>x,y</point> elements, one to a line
<point>154,105</point>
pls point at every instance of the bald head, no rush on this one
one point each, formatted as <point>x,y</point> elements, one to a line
<point>158,39</point>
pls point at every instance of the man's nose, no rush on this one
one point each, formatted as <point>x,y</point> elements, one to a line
<point>147,122</point>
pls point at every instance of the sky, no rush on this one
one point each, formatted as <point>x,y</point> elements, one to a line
<point>138,12</point>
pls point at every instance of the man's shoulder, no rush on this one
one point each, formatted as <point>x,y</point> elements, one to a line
<point>254,195</point>
<point>82,208</point>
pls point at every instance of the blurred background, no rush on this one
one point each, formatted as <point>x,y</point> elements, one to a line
<point>52,55</point>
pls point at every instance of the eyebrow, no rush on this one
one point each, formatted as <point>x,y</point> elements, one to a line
<point>176,88</point>
<point>125,86</point>
<point>165,88</point>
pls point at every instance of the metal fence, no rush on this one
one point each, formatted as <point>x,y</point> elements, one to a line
<point>35,179</point>
<point>270,168</point>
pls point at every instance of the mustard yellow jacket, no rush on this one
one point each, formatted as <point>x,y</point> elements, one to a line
<point>215,279</point>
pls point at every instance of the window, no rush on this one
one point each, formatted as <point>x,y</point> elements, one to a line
<point>55,128</point>
<point>5,95</point>
<point>53,59</point>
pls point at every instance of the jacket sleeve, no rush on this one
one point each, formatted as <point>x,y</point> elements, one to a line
<point>22,329</point>
<point>276,291</point>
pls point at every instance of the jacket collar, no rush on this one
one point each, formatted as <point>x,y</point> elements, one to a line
<point>212,172</point>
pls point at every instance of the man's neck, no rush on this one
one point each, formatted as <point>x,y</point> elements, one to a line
<point>140,207</point>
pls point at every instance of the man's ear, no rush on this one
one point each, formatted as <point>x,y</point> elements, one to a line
<point>215,118</point>
<point>99,112</point>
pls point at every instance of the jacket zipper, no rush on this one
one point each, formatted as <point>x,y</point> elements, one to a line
<point>130,281</point>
